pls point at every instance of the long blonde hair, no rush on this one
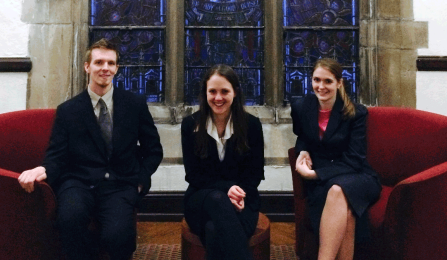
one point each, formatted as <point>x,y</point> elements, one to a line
<point>335,68</point>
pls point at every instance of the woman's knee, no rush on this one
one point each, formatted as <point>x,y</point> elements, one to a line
<point>335,194</point>
<point>217,200</point>
<point>217,196</point>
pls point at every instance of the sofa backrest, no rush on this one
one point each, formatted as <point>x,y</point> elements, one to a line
<point>24,138</point>
<point>402,142</point>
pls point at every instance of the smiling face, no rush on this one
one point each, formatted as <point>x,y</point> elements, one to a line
<point>219,95</point>
<point>102,68</point>
<point>325,86</point>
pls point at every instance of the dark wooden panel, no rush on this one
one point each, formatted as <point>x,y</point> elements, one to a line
<point>432,63</point>
<point>168,206</point>
<point>15,65</point>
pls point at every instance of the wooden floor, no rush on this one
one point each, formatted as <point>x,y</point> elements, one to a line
<point>281,233</point>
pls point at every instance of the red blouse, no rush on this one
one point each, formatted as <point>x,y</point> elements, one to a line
<point>323,119</point>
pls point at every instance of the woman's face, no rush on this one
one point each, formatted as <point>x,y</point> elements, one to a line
<point>219,95</point>
<point>325,85</point>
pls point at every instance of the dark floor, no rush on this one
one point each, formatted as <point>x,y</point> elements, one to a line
<point>281,233</point>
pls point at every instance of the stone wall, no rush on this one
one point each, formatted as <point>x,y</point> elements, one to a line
<point>389,38</point>
<point>55,40</point>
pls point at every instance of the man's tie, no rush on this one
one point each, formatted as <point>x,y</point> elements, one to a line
<point>106,124</point>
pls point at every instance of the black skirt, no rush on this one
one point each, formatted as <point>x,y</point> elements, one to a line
<point>360,189</point>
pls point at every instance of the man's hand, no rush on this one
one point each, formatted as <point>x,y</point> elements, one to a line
<point>27,178</point>
<point>237,195</point>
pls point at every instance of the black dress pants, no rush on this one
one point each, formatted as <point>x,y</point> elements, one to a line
<point>223,231</point>
<point>112,204</point>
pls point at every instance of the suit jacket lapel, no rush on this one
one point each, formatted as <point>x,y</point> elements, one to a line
<point>91,122</point>
<point>334,120</point>
<point>311,115</point>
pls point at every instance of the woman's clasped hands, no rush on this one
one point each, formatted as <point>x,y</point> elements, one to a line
<point>237,195</point>
<point>304,166</point>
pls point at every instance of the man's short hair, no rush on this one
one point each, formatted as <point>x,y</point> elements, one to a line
<point>101,44</point>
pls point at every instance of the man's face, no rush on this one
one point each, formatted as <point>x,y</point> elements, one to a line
<point>102,68</point>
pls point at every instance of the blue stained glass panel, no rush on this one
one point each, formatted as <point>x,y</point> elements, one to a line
<point>305,47</point>
<point>145,81</point>
<point>320,13</point>
<point>298,83</point>
<point>243,48</point>
<point>224,13</point>
<point>128,12</point>
<point>229,32</point>
<point>251,80</point>
<point>317,29</point>
<point>136,47</point>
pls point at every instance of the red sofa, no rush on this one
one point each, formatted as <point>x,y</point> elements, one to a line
<point>408,149</point>
<point>26,220</point>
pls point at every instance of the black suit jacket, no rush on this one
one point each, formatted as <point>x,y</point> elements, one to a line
<point>343,147</point>
<point>77,154</point>
<point>245,170</point>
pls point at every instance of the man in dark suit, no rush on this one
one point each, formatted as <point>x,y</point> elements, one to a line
<point>103,149</point>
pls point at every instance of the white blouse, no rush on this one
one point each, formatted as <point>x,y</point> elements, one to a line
<point>220,142</point>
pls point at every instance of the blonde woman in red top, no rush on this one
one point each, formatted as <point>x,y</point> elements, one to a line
<point>331,143</point>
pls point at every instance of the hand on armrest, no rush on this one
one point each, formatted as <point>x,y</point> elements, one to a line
<point>27,178</point>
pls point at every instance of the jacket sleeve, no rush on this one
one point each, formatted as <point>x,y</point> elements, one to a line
<point>151,150</point>
<point>56,155</point>
<point>252,171</point>
<point>353,159</point>
<point>297,127</point>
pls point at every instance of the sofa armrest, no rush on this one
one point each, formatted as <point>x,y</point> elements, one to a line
<point>27,220</point>
<point>415,222</point>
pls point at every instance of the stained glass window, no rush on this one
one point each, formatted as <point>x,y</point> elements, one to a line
<point>229,32</point>
<point>316,29</point>
<point>137,27</point>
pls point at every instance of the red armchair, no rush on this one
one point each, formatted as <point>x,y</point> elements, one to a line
<point>26,220</point>
<point>408,149</point>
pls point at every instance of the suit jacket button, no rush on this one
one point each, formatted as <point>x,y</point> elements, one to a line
<point>92,186</point>
<point>107,175</point>
<point>332,160</point>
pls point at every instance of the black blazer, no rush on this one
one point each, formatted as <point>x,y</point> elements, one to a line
<point>77,150</point>
<point>245,170</point>
<point>343,147</point>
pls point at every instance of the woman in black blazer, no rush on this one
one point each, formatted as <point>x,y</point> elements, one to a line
<point>331,143</point>
<point>223,155</point>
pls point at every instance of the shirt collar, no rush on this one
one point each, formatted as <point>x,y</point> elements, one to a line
<point>212,129</point>
<point>107,97</point>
